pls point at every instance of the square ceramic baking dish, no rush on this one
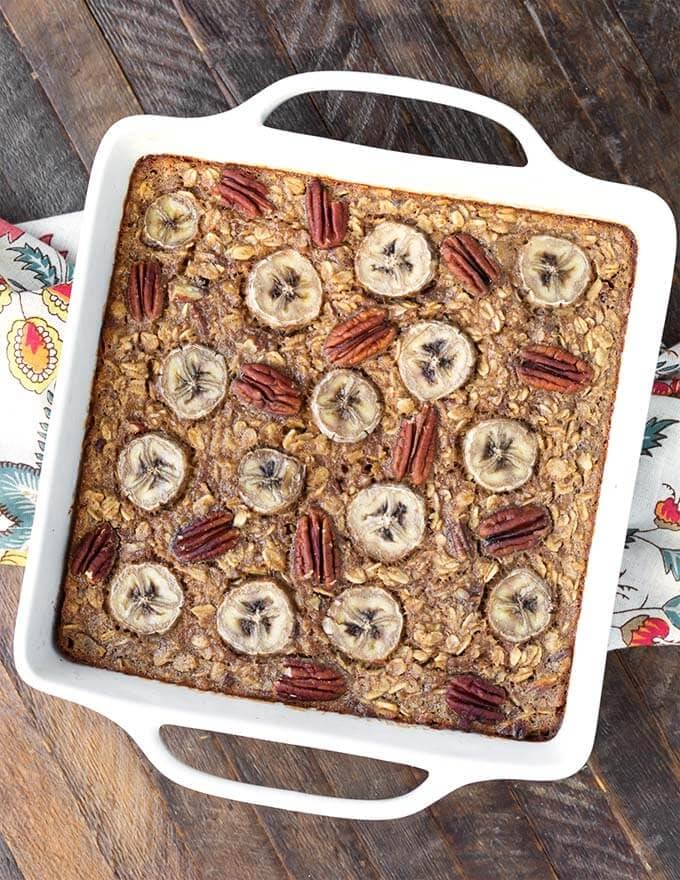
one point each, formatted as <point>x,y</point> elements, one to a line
<point>451,758</point>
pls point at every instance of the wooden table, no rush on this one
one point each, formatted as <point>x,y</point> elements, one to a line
<point>598,79</point>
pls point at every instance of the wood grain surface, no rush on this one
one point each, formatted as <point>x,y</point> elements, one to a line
<point>599,80</point>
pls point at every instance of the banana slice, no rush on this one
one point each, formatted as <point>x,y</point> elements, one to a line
<point>193,381</point>
<point>284,291</point>
<point>435,359</point>
<point>519,606</point>
<point>500,454</point>
<point>171,220</point>
<point>365,623</point>
<point>394,260</point>
<point>269,481</point>
<point>145,598</point>
<point>256,618</point>
<point>554,271</point>
<point>387,520</point>
<point>151,470</point>
<point>345,406</point>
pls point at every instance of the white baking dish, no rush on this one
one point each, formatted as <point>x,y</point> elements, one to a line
<point>451,758</point>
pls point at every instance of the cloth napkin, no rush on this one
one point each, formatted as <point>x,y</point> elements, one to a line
<point>36,266</point>
<point>36,261</point>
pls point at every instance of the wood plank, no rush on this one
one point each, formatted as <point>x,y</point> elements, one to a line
<point>160,60</point>
<point>323,36</point>
<point>671,330</point>
<point>125,811</point>
<point>656,675</point>
<point>40,173</point>
<point>518,68</point>
<point>229,836</point>
<point>489,832</point>
<point>349,776</point>
<point>361,118</point>
<point>9,870</point>
<point>615,88</point>
<point>424,54</point>
<point>467,830</point>
<point>313,847</point>
<point>248,57</point>
<point>33,784</point>
<point>75,67</point>
<point>637,772</point>
<point>578,831</point>
<point>654,26</point>
<point>429,853</point>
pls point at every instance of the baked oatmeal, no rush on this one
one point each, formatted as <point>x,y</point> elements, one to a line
<point>345,446</point>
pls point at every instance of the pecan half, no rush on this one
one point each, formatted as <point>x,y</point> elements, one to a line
<point>145,293</point>
<point>416,445</point>
<point>315,553</point>
<point>244,192</point>
<point>327,219</point>
<point>513,529</point>
<point>360,337</point>
<point>309,681</point>
<point>206,538</point>
<point>95,554</point>
<point>460,542</point>
<point>474,698</point>
<point>469,263</point>
<point>267,389</point>
<point>553,369</point>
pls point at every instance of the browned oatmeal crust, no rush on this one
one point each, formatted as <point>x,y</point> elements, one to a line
<point>448,669</point>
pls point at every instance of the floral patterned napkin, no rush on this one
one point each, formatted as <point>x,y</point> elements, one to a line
<point>35,287</point>
<point>648,599</point>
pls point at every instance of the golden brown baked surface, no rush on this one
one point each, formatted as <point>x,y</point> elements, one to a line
<point>451,667</point>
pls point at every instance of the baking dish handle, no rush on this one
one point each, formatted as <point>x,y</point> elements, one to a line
<point>431,789</point>
<point>259,107</point>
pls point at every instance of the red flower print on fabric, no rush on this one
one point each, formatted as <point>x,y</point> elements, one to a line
<point>667,388</point>
<point>667,512</point>
<point>643,630</point>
